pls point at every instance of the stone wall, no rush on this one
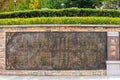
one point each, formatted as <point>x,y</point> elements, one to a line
<point>49,28</point>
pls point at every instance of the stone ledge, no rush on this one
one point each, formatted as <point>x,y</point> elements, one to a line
<point>55,72</point>
<point>62,25</point>
<point>113,62</point>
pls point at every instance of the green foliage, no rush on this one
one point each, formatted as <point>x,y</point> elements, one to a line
<point>56,4</point>
<point>71,12</point>
<point>80,3</point>
<point>44,4</point>
<point>23,5</point>
<point>61,20</point>
<point>8,5</point>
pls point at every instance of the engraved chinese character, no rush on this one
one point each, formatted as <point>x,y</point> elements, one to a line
<point>66,43</point>
<point>58,43</point>
<point>113,47</point>
<point>113,41</point>
<point>113,53</point>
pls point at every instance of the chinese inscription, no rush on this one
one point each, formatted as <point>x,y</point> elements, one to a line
<point>113,46</point>
<point>55,50</point>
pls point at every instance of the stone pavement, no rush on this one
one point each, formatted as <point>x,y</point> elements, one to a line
<point>13,77</point>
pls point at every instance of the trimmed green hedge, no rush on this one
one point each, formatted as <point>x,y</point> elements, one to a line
<point>70,12</point>
<point>61,20</point>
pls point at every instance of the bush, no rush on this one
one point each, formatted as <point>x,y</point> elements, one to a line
<point>61,20</point>
<point>70,12</point>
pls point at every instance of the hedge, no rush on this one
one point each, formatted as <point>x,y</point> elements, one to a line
<point>69,12</point>
<point>60,20</point>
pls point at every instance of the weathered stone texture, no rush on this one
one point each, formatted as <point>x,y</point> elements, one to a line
<point>3,31</point>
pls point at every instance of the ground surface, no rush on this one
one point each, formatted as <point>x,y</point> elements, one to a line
<point>11,77</point>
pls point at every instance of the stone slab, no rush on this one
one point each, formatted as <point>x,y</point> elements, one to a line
<point>13,77</point>
<point>113,68</point>
<point>113,45</point>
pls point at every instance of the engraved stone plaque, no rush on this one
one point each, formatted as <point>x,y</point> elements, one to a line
<point>56,50</point>
<point>113,45</point>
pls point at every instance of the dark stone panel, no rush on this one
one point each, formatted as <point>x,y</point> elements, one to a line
<point>56,50</point>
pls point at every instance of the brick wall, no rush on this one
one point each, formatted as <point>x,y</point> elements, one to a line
<point>51,28</point>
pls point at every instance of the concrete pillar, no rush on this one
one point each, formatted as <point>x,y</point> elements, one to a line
<point>113,63</point>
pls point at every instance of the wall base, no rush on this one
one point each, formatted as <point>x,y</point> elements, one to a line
<point>113,68</point>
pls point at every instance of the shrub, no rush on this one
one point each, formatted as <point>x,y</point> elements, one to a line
<point>70,12</point>
<point>60,20</point>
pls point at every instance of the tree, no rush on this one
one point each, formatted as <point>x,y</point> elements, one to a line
<point>107,4</point>
<point>117,3</point>
<point>23,4</point>
<point>44,4</point>
<point>56,3</point>
<point>80,3</point>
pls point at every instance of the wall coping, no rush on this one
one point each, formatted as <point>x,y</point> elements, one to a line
<point>113,62</point>
<point>62,25</point>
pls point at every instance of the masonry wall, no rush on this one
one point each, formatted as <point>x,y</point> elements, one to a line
<point>49,28</point>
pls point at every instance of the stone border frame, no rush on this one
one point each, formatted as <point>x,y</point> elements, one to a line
<point>50,28</point>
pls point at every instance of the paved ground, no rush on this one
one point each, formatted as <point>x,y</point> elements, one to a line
<point>10,77</point>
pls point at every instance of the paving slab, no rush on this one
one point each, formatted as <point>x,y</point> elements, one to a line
<point>13,77</point>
